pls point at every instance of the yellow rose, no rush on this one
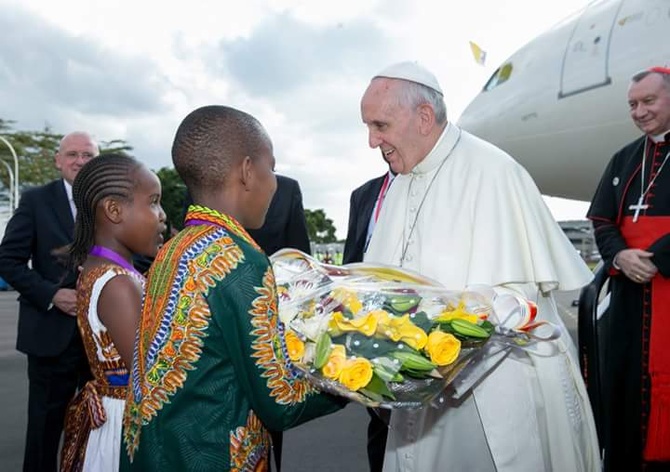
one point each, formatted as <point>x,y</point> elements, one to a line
<point>363,324</point>
<point>356,373</point>
<point>335,362</point>
<point>295,346</point>
<point>443,348</point>
<point>400,329</point>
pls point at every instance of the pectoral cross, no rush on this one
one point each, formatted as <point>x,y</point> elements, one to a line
<point>639,206</point>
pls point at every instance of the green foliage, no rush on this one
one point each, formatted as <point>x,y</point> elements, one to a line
<point>173,195</point>
<point>320,228</point>
<point>35,151</point>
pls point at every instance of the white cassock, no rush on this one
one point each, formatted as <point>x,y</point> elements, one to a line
<point>469,214</point>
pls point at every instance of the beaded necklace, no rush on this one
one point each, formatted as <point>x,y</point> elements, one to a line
<point>200,215</point>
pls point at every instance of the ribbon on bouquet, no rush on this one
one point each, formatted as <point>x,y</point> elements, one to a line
<point>518,328</point>
<point>518,324</point>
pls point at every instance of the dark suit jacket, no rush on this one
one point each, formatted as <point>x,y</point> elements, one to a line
<point>361,205</point>
<point>41,223</point>
<point>285,224</point>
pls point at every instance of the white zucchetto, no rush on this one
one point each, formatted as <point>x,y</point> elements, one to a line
<point>413,72</point>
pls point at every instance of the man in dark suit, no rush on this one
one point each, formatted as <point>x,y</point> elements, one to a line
<point>47,328</point>
<point>362,211</point>
<point>285,224</point>
<point>364,207</point>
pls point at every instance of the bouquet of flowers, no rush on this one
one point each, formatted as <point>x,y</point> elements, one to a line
<point>380,335</point>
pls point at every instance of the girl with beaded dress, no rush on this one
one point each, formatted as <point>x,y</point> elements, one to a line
<point>118,215</point>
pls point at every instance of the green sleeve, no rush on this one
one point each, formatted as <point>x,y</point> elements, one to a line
<point>244,304</point>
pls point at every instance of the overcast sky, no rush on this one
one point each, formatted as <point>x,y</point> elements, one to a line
<point>133,69</point>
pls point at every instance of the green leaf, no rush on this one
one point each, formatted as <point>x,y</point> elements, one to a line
<point>399,304</point>
<point>386,369</point>
<point>421,320</point>
<point>377,387</point>
<point>368,347</point>
<point>323,348</point>
<point>488,326</point>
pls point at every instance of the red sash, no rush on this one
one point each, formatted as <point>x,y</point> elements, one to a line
<point>641,235</point>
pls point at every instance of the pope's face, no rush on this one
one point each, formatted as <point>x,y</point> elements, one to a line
<point>649,102</point>
<point>392,127</point>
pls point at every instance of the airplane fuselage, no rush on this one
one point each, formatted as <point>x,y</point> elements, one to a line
<point>559,105</point>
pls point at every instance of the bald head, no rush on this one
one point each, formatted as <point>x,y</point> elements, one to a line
<point>75,150</point>
<point>78,136</point>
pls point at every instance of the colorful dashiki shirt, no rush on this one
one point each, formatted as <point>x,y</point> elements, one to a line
<point>94,417</point>
<point>211,368</point>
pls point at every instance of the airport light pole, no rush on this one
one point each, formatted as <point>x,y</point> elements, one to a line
<point>16,172</point>
<point>10,172</point>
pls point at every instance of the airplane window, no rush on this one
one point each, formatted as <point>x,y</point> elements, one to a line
<point>500,76</point>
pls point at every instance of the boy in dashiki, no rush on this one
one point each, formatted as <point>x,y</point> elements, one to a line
<point>211,370</point>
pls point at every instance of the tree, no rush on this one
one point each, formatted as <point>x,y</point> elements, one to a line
<point>35,151</point>
<point>173,196</point>
<point>320,229</point>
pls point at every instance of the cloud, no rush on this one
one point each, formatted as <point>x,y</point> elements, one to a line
<point>283,54</point>
<point>54,75</point>
<point>118,70</point>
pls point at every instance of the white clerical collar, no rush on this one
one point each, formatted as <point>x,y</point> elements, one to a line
<point>444,144</point>
<point>659,138</point>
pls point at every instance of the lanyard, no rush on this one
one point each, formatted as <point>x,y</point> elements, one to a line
<point>110,255</point>
<point>382,195</point>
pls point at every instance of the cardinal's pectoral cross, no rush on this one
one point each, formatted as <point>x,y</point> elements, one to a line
<point>639,206</point>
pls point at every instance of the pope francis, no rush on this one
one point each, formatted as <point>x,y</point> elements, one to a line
<point>463,212</point>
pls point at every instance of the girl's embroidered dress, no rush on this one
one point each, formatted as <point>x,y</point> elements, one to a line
<point>94,418</point>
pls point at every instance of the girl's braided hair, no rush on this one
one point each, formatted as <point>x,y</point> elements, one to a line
<point>110,175</point>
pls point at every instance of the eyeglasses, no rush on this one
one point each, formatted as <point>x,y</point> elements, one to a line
<point>84,155</point>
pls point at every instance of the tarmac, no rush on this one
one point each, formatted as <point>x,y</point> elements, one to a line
<point>330,444</point>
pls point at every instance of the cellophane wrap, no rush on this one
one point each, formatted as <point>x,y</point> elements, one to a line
<point>380,335</point>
